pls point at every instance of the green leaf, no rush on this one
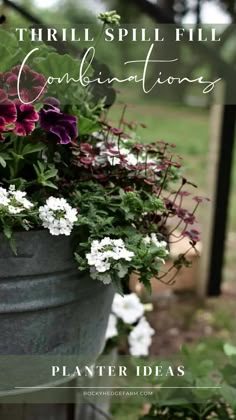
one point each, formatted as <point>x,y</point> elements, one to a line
<point>57,65</point>
<point>229,350</point>
<point>32,148</point>
<point>204,388</point>
<point>39,168</point>
<point>9,58</point>
<point>117,284</point>
<point>10,51</point>
<point>13,245</point>
<point>49,184</point>
<point>185,350</point>
<point>16,156</point>
<point>8,39</point>
<point>7,230</point>
<point>87,126</point>
<point>3,162</point>
<point>229,394</point>
<point>50,173</point>
<point>229,374</point>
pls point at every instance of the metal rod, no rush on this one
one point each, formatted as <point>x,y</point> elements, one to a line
<point>22,11</point>
<point>70,412</point>
<point>221,204</point>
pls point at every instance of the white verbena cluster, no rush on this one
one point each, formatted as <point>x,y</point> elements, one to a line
<point>58,216</point>
<point>152,240</point>
<point>108,254</point>
<point>14,201</point>
<point>130,310</point>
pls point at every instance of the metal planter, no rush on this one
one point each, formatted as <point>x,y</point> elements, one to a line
<point>46,305</point>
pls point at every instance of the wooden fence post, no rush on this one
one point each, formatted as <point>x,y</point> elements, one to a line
<point>215,125</point>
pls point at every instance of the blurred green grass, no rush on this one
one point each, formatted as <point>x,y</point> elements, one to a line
<point>183,126</point>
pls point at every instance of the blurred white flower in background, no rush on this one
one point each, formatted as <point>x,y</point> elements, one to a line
<point>111,327</point>
<point>140,338</point>
<point>128,308</point>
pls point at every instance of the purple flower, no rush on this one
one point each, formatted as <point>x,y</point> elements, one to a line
<point>60,125</point>
<point>7,113</point>
<point>53,102</point>
<point>32,84</point>
<point>7,110</point>
<point>200,199</point>
<point>26,118</point>
<point>192,234</point>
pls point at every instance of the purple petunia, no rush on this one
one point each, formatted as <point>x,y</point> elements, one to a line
<point>26,118</point>
<point>7,113</point>
<point>62,126</point>
<point>32,84</point>
<point>7,110</point>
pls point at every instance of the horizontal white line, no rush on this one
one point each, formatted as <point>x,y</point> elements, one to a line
<point>118,387</point>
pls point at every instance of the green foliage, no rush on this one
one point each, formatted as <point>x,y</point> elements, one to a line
<point>15,155</point>
<point>88,125</point>
<point>111,18</point>
<point>65,72</point>
<point>108,212</point>
<point>45,175</point>
<point>119,188</point>
<point>9,50</point>
<point>134,205</point>
<point>198,400</point>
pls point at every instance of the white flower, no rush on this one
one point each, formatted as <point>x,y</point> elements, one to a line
<point>152,239</point>
<point>128,308</point>
<point>123,151</point>
<point>20,198</point>
<point>140,338</point>
<point>148,307</point>
<point>104,254</point>
<point>112,149</point>
<point>4,198</point>
<point>99,160</point>
<point>156,242</point>
<point>147,240</point>
<point>58,216</point>
<point>14,210</point>
<point>108,151</point>
<point>131,159</point>
<point>14,201</point>
<point>111,327</point>
<point>113,160</point>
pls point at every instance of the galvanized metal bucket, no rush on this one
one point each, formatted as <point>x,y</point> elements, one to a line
<point>46,305</point>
